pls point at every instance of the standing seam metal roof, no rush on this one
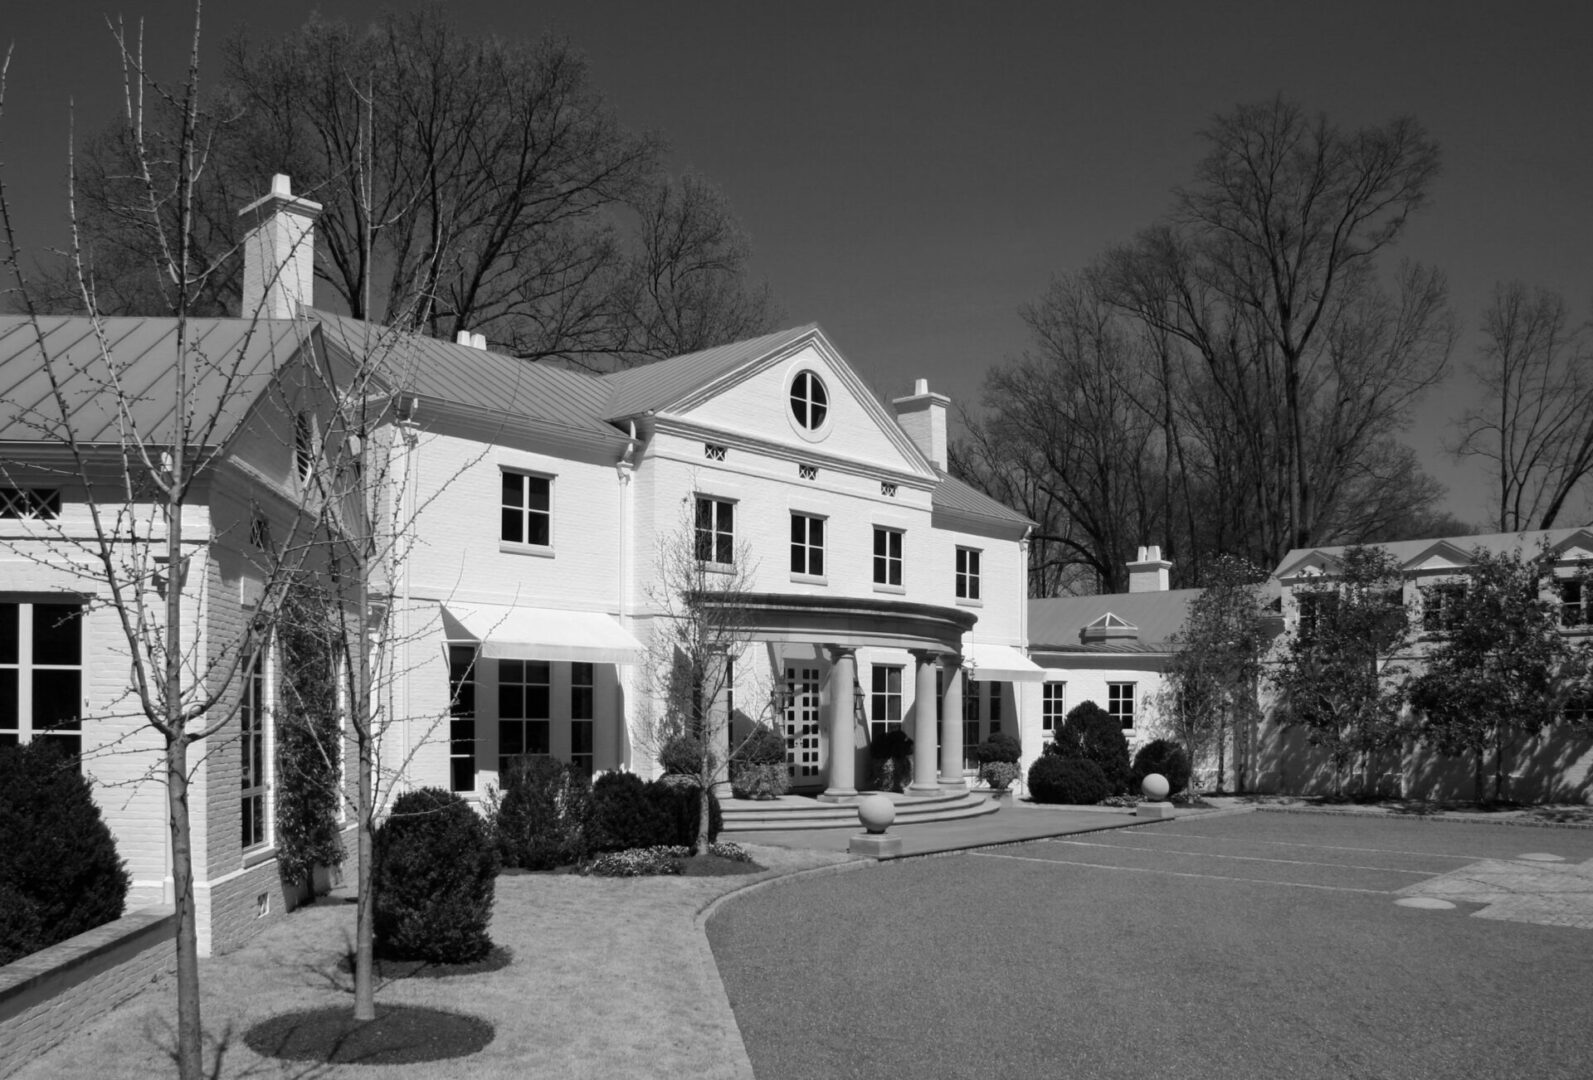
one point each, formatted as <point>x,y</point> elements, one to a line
<point>653,386</point>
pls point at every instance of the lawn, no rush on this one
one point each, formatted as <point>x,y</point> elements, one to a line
<point>609,978</point>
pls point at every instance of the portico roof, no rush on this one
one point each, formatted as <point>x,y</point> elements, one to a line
<point>852,622</point>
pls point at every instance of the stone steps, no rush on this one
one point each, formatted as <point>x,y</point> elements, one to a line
<point>797,812</point>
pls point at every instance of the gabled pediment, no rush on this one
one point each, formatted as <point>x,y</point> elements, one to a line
<point>1109,627</point>
<point>1574,548</point>
<point>1439,556</point>
<point>1312,564</point>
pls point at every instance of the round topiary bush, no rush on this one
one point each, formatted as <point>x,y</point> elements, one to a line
<point>59,871</point>
<point>682,755</point>
<point>999,747</point>
<point>540,816</point>
<point>435,868</point>
<point>1075,781</point>
<point>1090,732</point>
<point>1162,756</point>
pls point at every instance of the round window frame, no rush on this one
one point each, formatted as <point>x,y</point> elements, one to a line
<point>822,431</point>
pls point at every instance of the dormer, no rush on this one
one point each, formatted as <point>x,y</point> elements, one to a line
<point>1439,557</point>
<point>1312,564</point>
<point>1108,628</point>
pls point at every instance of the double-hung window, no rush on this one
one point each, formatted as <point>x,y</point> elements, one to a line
<point>524,699</point>
<point>527,509</point>
<point>462,717</point>
<point>967,573</point>
<point>252,737</point>
<point>41,673</point>
<point>1120,703</point>
<point>807,545</point>
<point>1573,603</point>
<point>887,556</point>
<point>716,531</point>
<point>885,703</point>
<point>1441,606</point>
<point>1053,707</point>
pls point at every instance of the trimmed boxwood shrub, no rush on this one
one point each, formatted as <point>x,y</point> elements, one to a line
<point>999,747</point>
<point>892,757</point>
<point>434,873</point>
<point>1090,732</point>
<point>628,812</point>
<point>59,871</point>
<point>541,815</point>
<point>1161,756</point>
<point>758,768</point>
<point>682,755</point>
<point>1077,781</point>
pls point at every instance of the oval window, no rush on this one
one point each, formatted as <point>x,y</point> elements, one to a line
<point>809,402</point>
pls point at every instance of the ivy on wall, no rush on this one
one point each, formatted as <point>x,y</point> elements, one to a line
<point>309,737</point>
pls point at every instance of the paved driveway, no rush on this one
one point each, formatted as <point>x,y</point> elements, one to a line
<point>1260,945</point>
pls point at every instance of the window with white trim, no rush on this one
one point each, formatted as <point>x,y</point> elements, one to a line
<point>525,693</point>
<point>885,702</point>
<point>807,545</point>
<point>462,717</point>
<point>527,509</point>
<point>1441,606</point>
<point>967,573</point>
<point>810,402</point>
<point>582,694</point>
<point>995,707</point>
<point>41,673</point>
<point>716,531</point>
<point>1053,708</point>
<point>887,556</point>
<point>1574,603</point>
<point>252,713</point>
<point>30,504</point>
<point>1120,703</point>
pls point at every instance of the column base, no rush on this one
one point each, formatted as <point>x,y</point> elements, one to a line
<point>954,785</point>
<point>921,791</point>
<point>836,794</point>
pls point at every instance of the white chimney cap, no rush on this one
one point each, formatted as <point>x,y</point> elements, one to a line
<point>282,184</point>
<point>920,386</point>
<point>463,338</point>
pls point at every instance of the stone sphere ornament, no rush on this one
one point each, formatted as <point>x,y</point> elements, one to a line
<point>1154,786</point>
<point>876,812</point>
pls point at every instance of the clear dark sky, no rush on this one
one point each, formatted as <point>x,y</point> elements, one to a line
<point>911,173</point>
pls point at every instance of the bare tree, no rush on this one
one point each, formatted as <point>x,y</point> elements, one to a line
<point>1535,431</point>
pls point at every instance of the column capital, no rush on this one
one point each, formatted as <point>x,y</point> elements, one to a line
<point>951,660</point>
<point>837,652</point>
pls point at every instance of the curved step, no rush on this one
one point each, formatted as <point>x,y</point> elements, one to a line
<point>807,814</point>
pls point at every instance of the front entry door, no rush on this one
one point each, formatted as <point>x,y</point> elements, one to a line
<point>803,722</point>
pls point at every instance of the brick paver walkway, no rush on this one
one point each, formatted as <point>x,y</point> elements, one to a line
<point>1519,890</point>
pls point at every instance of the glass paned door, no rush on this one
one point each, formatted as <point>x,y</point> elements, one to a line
<point>802,722</point>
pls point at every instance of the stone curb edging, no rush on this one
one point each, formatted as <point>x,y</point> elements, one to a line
<point>1442,816</point>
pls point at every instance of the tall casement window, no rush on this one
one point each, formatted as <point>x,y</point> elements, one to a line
<point>970,721</point>
<point>995,707</point>
<point>462,717</point>
<point>41,673</point>
<point>885,703</point>
<point>967,573</point>
<point>887,556</point>
<point>582,693</point>
<point>807,545</point>
<point>1120,703</point>
<point>1053,707</point>
<point>28,504</point>
<point>527,509</point>
<point>809,401</point>
<point>252,737</point>
<point>716,531</point>
<point>524,699</point>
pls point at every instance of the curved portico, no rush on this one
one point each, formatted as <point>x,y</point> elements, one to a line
<point>840,626</point>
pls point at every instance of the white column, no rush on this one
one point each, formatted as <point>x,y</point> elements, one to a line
<point>924,724</point>
<point>951,726</point>
<point>843,773</point>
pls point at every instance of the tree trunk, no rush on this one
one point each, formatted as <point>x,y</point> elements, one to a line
<point>190,1056</point>
<point>365,914</point>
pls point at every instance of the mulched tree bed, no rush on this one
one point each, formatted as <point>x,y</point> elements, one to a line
<point>391,968</point>
<point>400,1035</point>
<point>716,866</point>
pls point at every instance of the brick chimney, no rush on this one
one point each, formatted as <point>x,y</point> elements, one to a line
<point>279,253</point>
<point>1148,573</point>
<point>923,416</point>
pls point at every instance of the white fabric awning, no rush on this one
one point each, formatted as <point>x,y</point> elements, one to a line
<point>1000,663</point>
<point>526,633</point>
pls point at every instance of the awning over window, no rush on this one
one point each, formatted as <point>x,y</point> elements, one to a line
<point>1000,663</point>
<point>526,633</point>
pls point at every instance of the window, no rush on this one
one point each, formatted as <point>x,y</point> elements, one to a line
<point>1573,603</point>
<point>527,509</point>
<point>1120,703</point>
<point>887,556</point>
<point>995,707</point>
<point>1053,707</point>
<point>304,447</point>
<point>885,703</point>
<point>970,721</point>
<point>1578,708</point>
<point>252,737</point>
<point>41,673</point>
<point>807,545</point>
<point>809,401</point>
<point>1315,608</point>
<point>967,573</point>
<point>716,531</point>
<point>581,713</point>
<point>1441,606</point>
<point>524,696</point>
<point>30,503</point>
<point>462,717</point>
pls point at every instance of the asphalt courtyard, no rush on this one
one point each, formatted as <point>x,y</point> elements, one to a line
<point>1253,945</point>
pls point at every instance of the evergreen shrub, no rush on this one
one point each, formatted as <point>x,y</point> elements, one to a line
<point>59,872</point>
<point>1090,732</point>
<point>758,768</point>
<point>628,812</point>
<point>541,816</point>
<point>309,740</point>
<point>435,869</point>
<point>682,755</point>
<point>999,747</point>
<point>1161,756</point>
<point>1075,781</point>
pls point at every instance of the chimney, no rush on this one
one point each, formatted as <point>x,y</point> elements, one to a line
<point>279,253</point>
<point>923,416</point>
<point>471,341</point>
<point>1148,573</point>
